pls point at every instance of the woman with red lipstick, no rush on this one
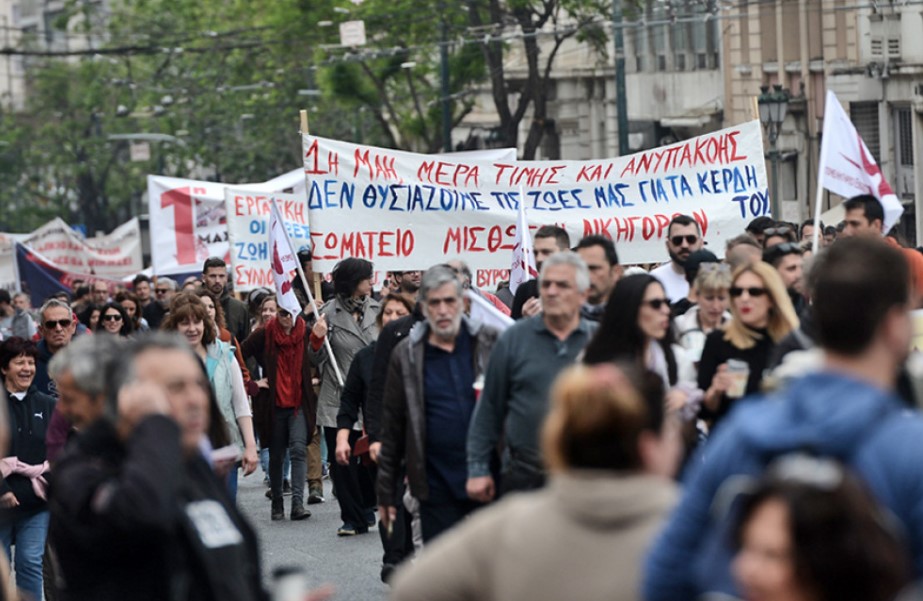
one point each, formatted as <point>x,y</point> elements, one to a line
<point>635,327</point>
<point>736,355</point>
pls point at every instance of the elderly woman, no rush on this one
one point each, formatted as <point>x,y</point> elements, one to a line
<point>611,451</point>
<point>22,490</point>
<point>349,320</point>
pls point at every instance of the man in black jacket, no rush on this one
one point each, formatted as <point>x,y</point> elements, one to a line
<point>215,279</point>
<point>137,511</point>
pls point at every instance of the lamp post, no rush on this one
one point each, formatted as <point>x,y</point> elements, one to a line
<point>773,107</point>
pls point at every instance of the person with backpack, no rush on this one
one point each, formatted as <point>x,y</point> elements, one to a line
<point>847,411</point>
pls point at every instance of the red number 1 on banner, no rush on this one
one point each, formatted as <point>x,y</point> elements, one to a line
<point>181,201</point>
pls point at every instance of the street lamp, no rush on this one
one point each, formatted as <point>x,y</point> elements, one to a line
<point>773,107</point>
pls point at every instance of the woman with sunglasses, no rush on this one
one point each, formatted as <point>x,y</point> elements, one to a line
<point>736,355</point>
<point>113,320</point>
<point>635,327</point>
<point>189,317</point>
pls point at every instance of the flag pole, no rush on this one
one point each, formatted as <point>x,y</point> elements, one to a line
<point>303,118</point>
<point>821,166</point>
<point>304,282</point>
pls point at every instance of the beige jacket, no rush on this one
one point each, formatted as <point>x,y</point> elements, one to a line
<point>583,537</point>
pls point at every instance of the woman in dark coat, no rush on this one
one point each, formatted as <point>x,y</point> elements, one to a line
<point>24,468</point>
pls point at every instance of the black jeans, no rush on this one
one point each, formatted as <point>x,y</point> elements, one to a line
<point>289,431</point>
<point>437,517</point>
<point>398,546</point>
<point>353,483</point>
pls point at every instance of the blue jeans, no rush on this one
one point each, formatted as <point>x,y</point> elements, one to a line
<point>28,534</point>
<point>232,482</point>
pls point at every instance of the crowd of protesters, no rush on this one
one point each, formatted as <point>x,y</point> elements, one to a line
<point>743,427</point>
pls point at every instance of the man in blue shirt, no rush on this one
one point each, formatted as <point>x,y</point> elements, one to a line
<point>428,401</point>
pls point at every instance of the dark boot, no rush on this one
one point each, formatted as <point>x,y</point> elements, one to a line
<point>278,509</point>
<point>298,511</point>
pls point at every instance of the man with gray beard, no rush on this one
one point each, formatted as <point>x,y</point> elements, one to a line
<point>428,402</point>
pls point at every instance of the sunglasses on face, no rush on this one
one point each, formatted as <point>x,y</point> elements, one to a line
<point>64,323</point>
<point>657,303</point>
<point>689,238</point>
<point>112,318</point>
<point>161,290</point>
<point>754,291</point>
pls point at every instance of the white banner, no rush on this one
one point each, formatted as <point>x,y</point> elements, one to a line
<point>189,221</point>
<point>113,256</point>
<point>408,211</point>
<point>248,222</point>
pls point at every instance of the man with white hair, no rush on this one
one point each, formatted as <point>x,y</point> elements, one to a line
<point>524,363</point>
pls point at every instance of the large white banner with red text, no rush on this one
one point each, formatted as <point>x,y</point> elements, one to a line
<point>408,211</point>
<point>114,256</point>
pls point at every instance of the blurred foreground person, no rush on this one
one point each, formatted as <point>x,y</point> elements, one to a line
<point>812,532</point>
<point>847,411</point>
<point>138,511</point>
<point>610,451</point>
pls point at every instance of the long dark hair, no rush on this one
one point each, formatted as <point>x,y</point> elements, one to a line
<point>619,337</point>
<point>128,325</point>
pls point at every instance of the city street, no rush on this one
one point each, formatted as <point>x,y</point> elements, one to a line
<point>350,564</point>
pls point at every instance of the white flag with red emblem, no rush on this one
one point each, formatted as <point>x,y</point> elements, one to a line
<point>523,268</point>
<point>284,262</point>
<point>849,169</point>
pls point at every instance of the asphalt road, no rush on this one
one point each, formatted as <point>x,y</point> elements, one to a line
<point>351,564</point>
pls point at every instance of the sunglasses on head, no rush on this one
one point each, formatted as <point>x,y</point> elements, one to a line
<point>657,303</point>
<point>713,266</point>
<point>51,323</point>
<point>777,251</point>
<point>777,231</point>
<point>112,317</point>
<point>689,238</point>
<point>752,291</point>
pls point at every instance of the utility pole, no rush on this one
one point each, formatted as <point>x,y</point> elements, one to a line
<point>444,77</point>
<point>621,102</point>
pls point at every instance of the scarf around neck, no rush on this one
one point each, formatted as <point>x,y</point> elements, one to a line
<point>356,306</point>
<point>290,347</point>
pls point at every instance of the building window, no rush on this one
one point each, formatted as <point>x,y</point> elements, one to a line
<point>905,136</point>
<point>864,116</point>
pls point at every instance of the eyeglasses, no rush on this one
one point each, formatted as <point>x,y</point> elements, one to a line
<point>657,303</point>
<point>64,323</point>
<point>689,238</point>
<point>112,317</point>
<point>752,291</point>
